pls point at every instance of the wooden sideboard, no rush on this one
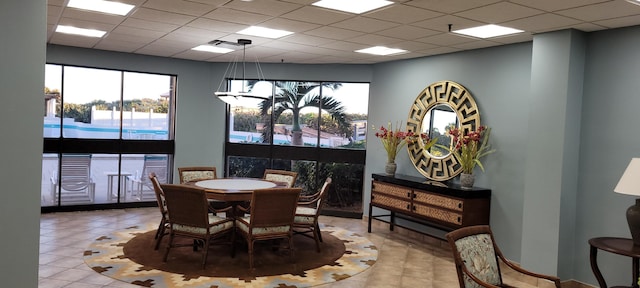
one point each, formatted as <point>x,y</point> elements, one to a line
<point>428,203</point>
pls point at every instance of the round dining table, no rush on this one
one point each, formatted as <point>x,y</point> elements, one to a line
<point>235,189</point>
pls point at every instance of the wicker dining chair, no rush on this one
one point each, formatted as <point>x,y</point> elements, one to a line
<point>308,212</point>
<point>283,176</point>
<point>271,217</point>
<point>477,258</point>
<point>189,217</point>
<point>162,205</point>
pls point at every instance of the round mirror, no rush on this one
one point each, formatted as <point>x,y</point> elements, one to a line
<point>435,124</point>
<point>437,107</point>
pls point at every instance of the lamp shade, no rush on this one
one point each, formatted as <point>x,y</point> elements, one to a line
<point>630,181</point>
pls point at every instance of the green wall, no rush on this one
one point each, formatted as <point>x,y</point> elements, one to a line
<point>22,54</point>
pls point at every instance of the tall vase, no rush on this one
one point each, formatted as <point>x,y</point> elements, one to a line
<point>466,180</point>
<point>390,168</point>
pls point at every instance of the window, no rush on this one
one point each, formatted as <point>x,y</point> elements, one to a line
<point>114,121</point>
<point>308,127</point>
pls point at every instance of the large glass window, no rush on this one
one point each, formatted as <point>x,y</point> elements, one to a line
<point>104,131</point>
<point>317,129</point>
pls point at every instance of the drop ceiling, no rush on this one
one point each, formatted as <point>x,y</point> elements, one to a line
<point>170,28</point>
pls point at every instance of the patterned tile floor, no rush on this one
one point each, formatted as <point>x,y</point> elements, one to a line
<point>405,259</point>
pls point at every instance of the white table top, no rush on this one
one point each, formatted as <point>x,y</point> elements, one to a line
<point>242,184</point>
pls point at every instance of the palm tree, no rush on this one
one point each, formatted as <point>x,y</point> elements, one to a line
<point>294,96</point>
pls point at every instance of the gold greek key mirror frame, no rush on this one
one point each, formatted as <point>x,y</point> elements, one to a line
<point>440,168</point>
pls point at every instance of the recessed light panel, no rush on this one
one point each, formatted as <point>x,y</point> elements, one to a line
<point>80,31</point>
<point>108,7</point>
<point>264,32</point>
<point>487,31</point>
<point>352,6</point>
<point>212,49</point>
<point>381,50</point>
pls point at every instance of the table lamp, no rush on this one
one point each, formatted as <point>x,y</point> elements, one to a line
<point>630,184</point>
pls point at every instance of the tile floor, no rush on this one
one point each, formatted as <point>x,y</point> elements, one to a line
<point>405,259</point>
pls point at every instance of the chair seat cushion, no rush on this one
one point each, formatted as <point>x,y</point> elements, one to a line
<point>220,226</point>
<point>242,224</point>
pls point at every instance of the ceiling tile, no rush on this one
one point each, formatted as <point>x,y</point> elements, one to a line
<point>602,11</point>
<point>192,35</point>
<point>345,46</point>
<point>445,39</point>
<point>407,32</point>
<point>161,16</point>
<point>133,38</point>
<point>149,25</point>
<point>333,33</point>
<point>499,12</point>
<point>214,25</point>
<point>402,14</point>
<point>92,16</point>
<point>364,24</point>
<point>137,32</point>
<point>121,46</point>
<point>555,5</point>
<point>73,40</point>
<point>374,40</point>
<point>266,7</point>
<point>236,16</point>
<point>289,25</point>
<point>442,23</point>
<point>307,39</point>
<point>317,15</point>
<point>619,22</point>
<point>179,6</point>
<point>86,24</point>
<point>541,23</point>
<point>450,6</point>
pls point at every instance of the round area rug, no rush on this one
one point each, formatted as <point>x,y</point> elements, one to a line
<point>128,256</point>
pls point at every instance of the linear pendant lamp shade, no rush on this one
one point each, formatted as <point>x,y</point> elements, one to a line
<point>236,98</point>
<point>630,184</point>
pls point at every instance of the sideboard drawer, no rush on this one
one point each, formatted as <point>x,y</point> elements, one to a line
<point>440,201</point>
<point>384,200</point>
<point>439,214</point>
<point>401,192</point>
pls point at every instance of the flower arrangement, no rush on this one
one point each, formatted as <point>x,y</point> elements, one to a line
<point>470,147</point>
<point>394,140</point>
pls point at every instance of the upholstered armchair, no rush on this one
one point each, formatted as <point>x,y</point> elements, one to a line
<point>191,174</point>
<point>477,258</point>
<point>308,212</point>
<point>282,176</point>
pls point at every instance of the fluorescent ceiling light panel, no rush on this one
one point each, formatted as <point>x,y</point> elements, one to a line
<point>108,7</point>
<point>80,31</point>
<point>213,49</point>
<point>264,32</point>
<point>381,50</point>
<point>487,31</point>
<point>352,6</point>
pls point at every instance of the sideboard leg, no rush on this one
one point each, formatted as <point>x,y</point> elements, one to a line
<point>393,220</point>
<point>370,216</point>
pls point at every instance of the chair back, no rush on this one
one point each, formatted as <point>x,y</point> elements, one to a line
<point>162,204</point>
<point>155,164</point>
<point>190,174</point>
<point>284,176</point>
<point>475,254</point>
<point>75,172</point>
<point>323,195</point>
<point>274,207</point>
<point>186,205</point>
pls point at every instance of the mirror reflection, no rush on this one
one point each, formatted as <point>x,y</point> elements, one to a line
<point>435,124</point>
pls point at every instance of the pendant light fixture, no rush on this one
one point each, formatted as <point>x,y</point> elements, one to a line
<point>243,96</point>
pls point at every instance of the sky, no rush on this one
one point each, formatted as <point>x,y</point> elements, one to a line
<point>87,84</point>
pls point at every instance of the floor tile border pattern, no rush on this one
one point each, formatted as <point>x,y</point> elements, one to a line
<point>105,255</point>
